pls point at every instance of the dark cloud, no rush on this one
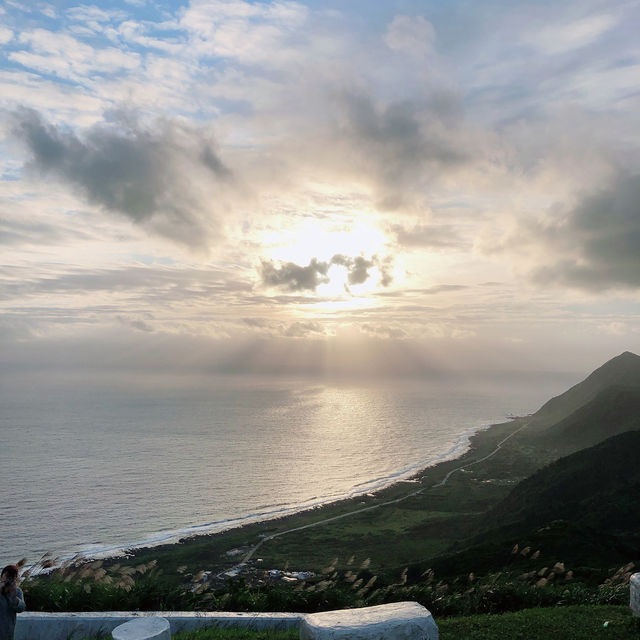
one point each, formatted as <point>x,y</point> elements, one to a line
<point>124,166</point>
<point>400,145</point>
<point>294,277</point>
<point>597,245</point>
<point>138,324</point>
<point>357,268</point>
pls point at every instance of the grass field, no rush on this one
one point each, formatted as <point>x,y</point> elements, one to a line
<point>231,634</point>
<point>567,623</point>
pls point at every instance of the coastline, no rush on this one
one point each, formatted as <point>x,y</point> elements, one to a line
<point>210,548</point>
<point>164,539</point>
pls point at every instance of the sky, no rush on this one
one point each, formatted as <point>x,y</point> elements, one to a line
<point>361,188</point>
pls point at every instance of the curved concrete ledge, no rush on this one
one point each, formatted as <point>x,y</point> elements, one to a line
<point>73,626</point>
<point>143,629</point>
<point>399,620</point>
<point>634,595</point>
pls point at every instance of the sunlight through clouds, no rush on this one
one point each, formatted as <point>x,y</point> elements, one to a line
<point>456,178</point>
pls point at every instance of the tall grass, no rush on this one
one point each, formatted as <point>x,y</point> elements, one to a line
<point>78,585</point>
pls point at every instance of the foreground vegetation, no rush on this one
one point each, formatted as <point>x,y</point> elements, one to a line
<point>237,634</point>
<point>568,623</point>
<point>92,587</point>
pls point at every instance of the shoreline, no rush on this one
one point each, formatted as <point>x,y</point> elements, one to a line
<point>161,539</point>
<point>209,546</point>
<point>164,542</point>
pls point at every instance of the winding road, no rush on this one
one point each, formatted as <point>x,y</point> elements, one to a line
<point>444,481</point>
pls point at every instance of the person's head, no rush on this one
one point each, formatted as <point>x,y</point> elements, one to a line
<point>9,573</point>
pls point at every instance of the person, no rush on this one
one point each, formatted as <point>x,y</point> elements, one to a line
<point>11,601</point>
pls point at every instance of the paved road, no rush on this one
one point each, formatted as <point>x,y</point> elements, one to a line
<point>444,481</point>
<point>470,464</point>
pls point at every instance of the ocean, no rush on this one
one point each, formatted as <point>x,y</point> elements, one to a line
<point>96,464</point>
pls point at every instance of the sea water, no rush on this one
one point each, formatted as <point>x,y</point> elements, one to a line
<point>95,465</point>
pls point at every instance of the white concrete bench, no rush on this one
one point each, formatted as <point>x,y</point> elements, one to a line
<point>634,588</point>
<point>400,621</point>
<point>34,625</point>
<point>143,629</point>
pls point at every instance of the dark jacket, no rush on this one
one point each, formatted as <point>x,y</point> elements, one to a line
<point>8,609</point>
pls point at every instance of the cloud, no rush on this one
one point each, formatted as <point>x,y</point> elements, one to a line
<point>560,38</point>
<point>293,277</point>
<point>411,34</point>
<point>92,13</point>
<point>596,245</point>
<point>433,236</point>
<point>303,329</point>
<point>358,268</point>
<point>383,331</point>
<point>68,57</point>
<point>249,32</point>
<point>147,174</point>
<point>136,323</point>
<point>5,35</point>
<point>402,146</point>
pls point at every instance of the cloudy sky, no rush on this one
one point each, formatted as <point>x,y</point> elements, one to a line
<point>330,186</point>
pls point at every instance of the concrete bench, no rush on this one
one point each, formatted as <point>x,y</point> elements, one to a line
<point>34,625</point>
<point>634,587</point>
<point>399,620</point>
<point>151,628</point>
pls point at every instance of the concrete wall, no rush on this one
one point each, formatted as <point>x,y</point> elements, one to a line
<point>70,626</point>
<point>634,594</point>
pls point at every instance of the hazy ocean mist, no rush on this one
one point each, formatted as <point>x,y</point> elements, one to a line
<point>93,463</point>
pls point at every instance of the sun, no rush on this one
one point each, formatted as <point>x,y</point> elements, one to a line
<point>354,256</point>
<point>311,240</point>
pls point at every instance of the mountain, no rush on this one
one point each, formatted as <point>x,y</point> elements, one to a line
<point>614,410</point>
<point>598,487</point>
<point>621,371</point>
<point>582,509</point>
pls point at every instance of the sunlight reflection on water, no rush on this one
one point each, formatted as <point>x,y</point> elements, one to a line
<point>109,465</point>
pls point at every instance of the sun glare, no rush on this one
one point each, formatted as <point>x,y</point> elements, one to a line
<point>340,249</point>
<point>303,243</point>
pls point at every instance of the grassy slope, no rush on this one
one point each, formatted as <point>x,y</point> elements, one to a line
<point>568,623</point>
<point>612,411</point>
<point>598,487</point>
<point>623,370</point>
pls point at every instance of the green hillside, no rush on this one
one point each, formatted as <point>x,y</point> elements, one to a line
<point>614,410</point>
<point>583,509</point>
<point>622,371</point>
<point>598,487</point>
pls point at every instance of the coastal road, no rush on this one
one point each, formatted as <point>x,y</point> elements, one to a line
<point>470,464</point>
<point>253,551</point>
